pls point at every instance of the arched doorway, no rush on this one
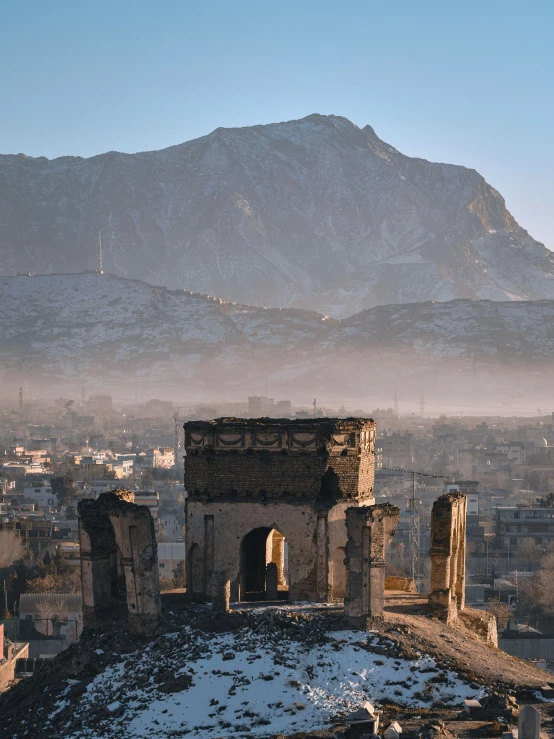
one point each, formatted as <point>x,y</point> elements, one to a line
<point>337,575</point>
<point>264,565</point>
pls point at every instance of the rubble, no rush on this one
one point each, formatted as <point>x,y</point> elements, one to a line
<point>291,672</point>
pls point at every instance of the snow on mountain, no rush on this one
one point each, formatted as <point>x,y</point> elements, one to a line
<point>315,213</point>
<point>71,328</point>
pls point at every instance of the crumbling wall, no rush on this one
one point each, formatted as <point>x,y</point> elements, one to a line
<point>295,478</point>
<point>370,530</point>
<point>119,563</point>
<point>403,584</point>
<point>322,460</point>
<point>448,548</point>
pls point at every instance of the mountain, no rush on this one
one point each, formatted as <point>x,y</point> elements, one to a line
<point>113,332</point>
<point>314,213</point>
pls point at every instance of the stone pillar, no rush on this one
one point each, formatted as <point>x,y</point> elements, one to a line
<point>448,546</point>
<point>278,556</point>
<point>221,591</point>
<point>271,591</point>
<point>529,723</point>
<point>370,530</point>
<point>119,562</point>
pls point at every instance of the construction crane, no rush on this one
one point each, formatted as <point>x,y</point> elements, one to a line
<point>414,519</point>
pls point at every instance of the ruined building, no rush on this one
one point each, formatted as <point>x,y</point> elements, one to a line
<point>274,492</point>
<point>370,531</point>
<point>119,565</point>
<point>448,553</point>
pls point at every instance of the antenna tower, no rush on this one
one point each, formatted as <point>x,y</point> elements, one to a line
<point>21,400</point>
<point>395,402</point>
<point>100,267</point>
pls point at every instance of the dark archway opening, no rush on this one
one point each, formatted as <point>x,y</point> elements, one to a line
<point>264,565</point>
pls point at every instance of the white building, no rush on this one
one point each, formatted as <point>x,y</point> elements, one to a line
<point>170,553</point>
<point>473,504</point>
<point>162,458</point>
<point>41,494</point>
<point>514,450</point>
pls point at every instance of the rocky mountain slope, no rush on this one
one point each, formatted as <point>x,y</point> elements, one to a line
<point>69,328</point>
<point>316,213</point>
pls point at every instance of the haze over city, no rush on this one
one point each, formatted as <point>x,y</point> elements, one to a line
<point>276,367</point>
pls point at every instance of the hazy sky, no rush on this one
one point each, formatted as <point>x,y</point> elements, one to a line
<point>453,80</point>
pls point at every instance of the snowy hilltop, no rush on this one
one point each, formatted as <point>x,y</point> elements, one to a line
<point>314,213</point>
<point>100,328</point>
<point>260,672</point>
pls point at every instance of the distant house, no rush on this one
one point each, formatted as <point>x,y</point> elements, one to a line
<point>170,553</point>
<point>514,450</point>
<point>41,494</point>
<point>161,458</point>
<point>54,614</point>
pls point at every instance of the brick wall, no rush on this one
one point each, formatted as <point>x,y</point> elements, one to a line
<point>317,460</point>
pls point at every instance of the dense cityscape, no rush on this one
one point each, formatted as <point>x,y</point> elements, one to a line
<point>56,453</point>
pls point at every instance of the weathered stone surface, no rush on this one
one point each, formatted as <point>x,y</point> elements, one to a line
<point>320,460</point>
<point>529,723</point>
<point>260,487</point>
<point>119,563</point>
<point>404,584</point>
<point>221,591</point>
<point>448,546</point>
<point>370,529</point>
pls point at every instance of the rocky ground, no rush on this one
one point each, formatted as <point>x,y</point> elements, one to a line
<point>273,671</point>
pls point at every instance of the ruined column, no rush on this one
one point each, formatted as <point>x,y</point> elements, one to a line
<point>448,545</point>
<point>119,562</point>
<point>221,591</point>
<point>278,556</point>
<point>370,530</point>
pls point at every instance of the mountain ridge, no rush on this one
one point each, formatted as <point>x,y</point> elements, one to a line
<point>314,213</point>
<point>110,331</point>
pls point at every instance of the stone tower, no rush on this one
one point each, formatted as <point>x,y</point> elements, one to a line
<point>264,491</point>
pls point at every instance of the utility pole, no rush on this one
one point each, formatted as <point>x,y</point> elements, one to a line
<point>414,534</point>
<point>414,540</point>
<point>177,451</point>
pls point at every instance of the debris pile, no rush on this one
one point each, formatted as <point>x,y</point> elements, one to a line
<point>282,672</point>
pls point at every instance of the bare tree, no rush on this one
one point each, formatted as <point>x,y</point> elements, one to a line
<point>11,548</point>
<point>501,611</point>
<point>529,552</point>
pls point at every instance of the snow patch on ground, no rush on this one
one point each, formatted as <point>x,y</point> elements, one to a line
<point>252,684</point>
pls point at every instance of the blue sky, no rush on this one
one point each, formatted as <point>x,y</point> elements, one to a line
<point>463,82</point>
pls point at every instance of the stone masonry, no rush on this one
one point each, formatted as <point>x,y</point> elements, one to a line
<point>448,545</point>
<point>258,488</point>
<point>119,564</point>
<point>370,530</point>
